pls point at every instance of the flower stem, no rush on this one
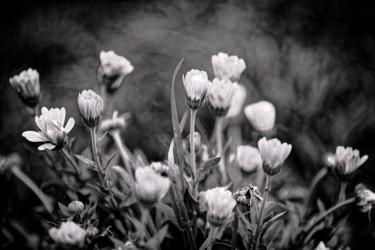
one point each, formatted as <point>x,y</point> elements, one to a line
<point>193,114</point>
<point>315,181</point>
<point>96,155</point>
<point>219,146</point>
<point>123,151</point>
<point>342,194</point>
<point>234,231</point>
<point>267,189</point>
<point>69,158</point>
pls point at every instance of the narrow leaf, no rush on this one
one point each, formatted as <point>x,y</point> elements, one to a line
<point>168,212</point>
<point>63,209</point>
<point>85,160</point>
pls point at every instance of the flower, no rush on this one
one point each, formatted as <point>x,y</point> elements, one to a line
<point>150,187</point>
<point>247,196</point>
<point>113,69</point>
<point>69,233</point>
<point>115,123</point>
<point>273,154</point>
<point>160,168</point>
<point>237,102</point>
<point>329,159</point>
<point>27,86</point>
<point>196,84</point>
<point>220,96</point>
<point>90,107</point>
<point>75,207</point>
<point>347,161</point>
<point>248,158</point>
<point>261,115</point>
<point>365,198</point>
<point>322,246</point>
<point>53,133</point>
<point>92,231</point>
<point>220,204</point>
<point>227,67</point>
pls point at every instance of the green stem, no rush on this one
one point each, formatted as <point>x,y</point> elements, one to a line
<point>193,113</point>
<point>267,188</point>
<point>69,158</point>
<point>317,178</point>
<point>234,231</point>
<point>124,152</point>
<point>342,194</point>
<point>220,151</point>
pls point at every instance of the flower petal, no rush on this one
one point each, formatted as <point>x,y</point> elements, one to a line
<point>69,125</point>
<point>34,136</point>
<point>62,116</point>
<point>49,146</point>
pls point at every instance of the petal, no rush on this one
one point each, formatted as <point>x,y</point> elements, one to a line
<point>49,146</point>
<point>34,136</point>
<point>69,125</point>
<point>62,116</point>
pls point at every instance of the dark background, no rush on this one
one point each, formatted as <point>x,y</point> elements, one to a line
<point>314,60</point>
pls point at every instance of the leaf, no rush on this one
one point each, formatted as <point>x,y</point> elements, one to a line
<point>157,239</point>
<point>85,160</point>
<point>268,223</point>
<point>128,179</point>
<point>110,159</point>
<point>207,166</point>
<point>168,212</point>
<point>119,245</point>
<point>63,209</point>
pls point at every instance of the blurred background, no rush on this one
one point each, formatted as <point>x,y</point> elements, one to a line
<point>314,60</point>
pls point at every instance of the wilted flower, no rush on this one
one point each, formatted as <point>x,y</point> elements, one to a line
<point>220,205</point>
<point>227,67</point>
<point>238,100</point>
<point>90,107</point>
<point>347,161</point>
<point>365,198</point>
<point>196,85</point>
<point>27,86</point>
<point>220,96</point>
<point>113,69</point>
<point>69,233</point>
<point>53,133</point>
<point>246,196</point>
<point>322,246</point>
<point>151,186</point>
<point>273,154</point>
<point>261,115</point>
<point>248,158</point>
<point>115,123</point>
<point>75,207</point>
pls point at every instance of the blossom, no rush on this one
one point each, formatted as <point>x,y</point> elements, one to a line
<point>365,198</point>
<point>196,84</point>
<point>273,154</point>
<point>69,233</point>
<point>53,133</point>
<point>115,123</point>
<point>322,246</point>
<point>248,158</point>
<point>92,231</point>
<point>160,168</point>
<point>151,186</point>
<point>347,161</point>
<point>75,207</point>
<point>220,96</point>
<point>237,102</point>
<point>261,115</point>
<point>90,107</point>
<point>220,205</point>
<point>113,69</point>
<point>227,67</point>
<point>27,86</point>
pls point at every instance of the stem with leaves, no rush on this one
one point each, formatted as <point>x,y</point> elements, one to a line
<point>193,114</point>
<point>267,189</point>
<point>69,158</point>
<point>219,147</point>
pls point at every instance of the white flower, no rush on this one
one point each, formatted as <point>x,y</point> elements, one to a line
<point>27,86</point>
<point>220,205</point>
<point>347,161</point>
<point>90,107</point>
<point>238,100</point>
<point>196,84</point>
<point>248,158</point>
<point>273,154</point>
<point>53,133</point>
<point>113,69</point>
<point>261,115</point>
<point>160,168</point>
<point>365,198</point>
<point>69,233</point>
<point>227,67</point>
<point>115,123</point>
<point>220,96</point>
<point>322,246</point>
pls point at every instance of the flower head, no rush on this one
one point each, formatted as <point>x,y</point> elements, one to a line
<point>53,133</point>
<point>113,69</point>
<point>220,205</point>
<point>273,154</point>
<point>69,234</point>
<point>220,96</point>
<point>347,161</point>
<point>238,100</point>
<point>196,84</point>
<point>151,187</point>
<point>90,107</point>
<point>247,196</point>
<point>248,158</point>
<point>160,168</point>
<point>115,123</point>
<point>227,67</point>
<point>27,86</point>
<point>75,207</point>
<point>365,198</point>
<point>261,115</point>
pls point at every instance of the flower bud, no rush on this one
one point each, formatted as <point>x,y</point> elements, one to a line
<point>365,198</point>
<point>27,86</point>
<point>273,154</point>
<point>347,161</point>
<point>248,158</point>
<point>69,234</point>
<point>261,115</point>
<point>90,107</point>
<point>227,67</point>
<point>196,84</point>
<point>75,207</point>
<point>220,96</point>
<point>113,69</point>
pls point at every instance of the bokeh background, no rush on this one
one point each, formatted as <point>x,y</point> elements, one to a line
<point>314,60</point>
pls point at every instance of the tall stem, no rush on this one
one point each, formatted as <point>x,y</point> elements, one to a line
<point>317,178</point>
<point>219,146</point>
<point>69,158</point>
<point>96,155</point>
<point>193,113</point>
<point>267,188</point>
<point>342,194</point>
<point>123,151</point>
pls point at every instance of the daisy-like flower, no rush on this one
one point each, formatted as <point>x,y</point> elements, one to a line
<point>115,123</point>
<point>27,86</point>
<point>273,154</point>
<point>220,96</point>
<point>321,246</point>
<point>150,187</point>
<point>69,234</point>
<point>196,85</point>
<point>113,69</point>
<point>227,67</point>
<point>248,158</point>
<point>261,115</point>
<point>52,131</point>
<point>238,100</point>
<point>347,161</point>
<point>220,205</point>
<point>365,198</point>
<point>90,107</point>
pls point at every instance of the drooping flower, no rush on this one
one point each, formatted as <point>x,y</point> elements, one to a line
<point>365,198</point>
<point>261,115</point>
<point>151,187</point>
<point>53,133</point>
<point>322,246</point>
<point>227,67</point>
<point>75,207</point>
<point>248,158</point>
<point>238,100</point>
<point>27,86</point>
<point>113,69</point>
<point>90,107</point>
<point>273,154</point>
<point>115,123</point>
<point>220,97</point>
<point>347,161</point>
<point>220,205</point>
<point>196,85</point>
<point>69,234</point>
